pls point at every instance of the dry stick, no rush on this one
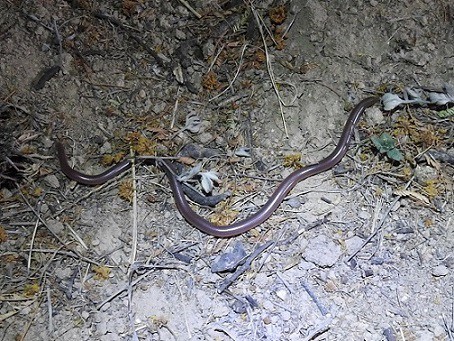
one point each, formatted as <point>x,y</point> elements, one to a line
<point>319,329</point>
<point>49,311</point>
<point>227,331</point>
<point>130,285</point>
<point>270,68</point>
<point>133,247</point>
<point>32,242</point>
<point>380,224</point>
<point>243,268</point>
<point>39,217</point>
<point>58,36</point>
<point>134,214</point>
<point>240,63</point>
<point>378,208</point>
<point>215,58</point>
<point>175,109</point>
<point>75,235</point>
<point>72,254</point>
<point>450,328</point>
<point>138,40</point>
<point>447,328</point>
<point>191,9</point>
<point>107,185</point>
<point>21,336</point>
<point>183,306</point>
<point>49,229</point>
<point>311,293</point>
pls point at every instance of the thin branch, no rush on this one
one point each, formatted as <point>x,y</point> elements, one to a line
<point>380,225</point>
<point>243,268</point>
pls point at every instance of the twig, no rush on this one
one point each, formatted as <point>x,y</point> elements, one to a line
<point>183,306</point>
<point>32,242</point>
<point>240,63</point>
<point>319,329</point>
<point>311,293</point>
<point>134,214</point>
<point>243,268</point>
<point>270,68</point>
<point>308,227</point>
<point>192,10</point>
<point>215,58</point>
<point>175,109</point>
<point>138,40</point>
<point>57,35</point>
<point>129,286</point>
<point>290,25</point>
<point>232,334</point>
<point>39,216</point>
<point>380,225</point>
<point>72,254</point>
<point>76,236</point>
<point>49,311</point>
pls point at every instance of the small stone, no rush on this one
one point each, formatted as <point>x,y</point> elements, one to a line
<point>364,215</point>
<point>55,226</point>
<point>374,116</point>
<point>85,315</point>
<point>267,305</point>
<point>266,320</point>
<point>220,310</point>
<point>293,202</point>
<point>368,273</point>
<point>179,34</point>
<point>286,316</point>
<point>205,138</point>
<point>261,280</point>
<point>282,294</point>
<point>52,181</point>
<point>440,271</point>
<point>5,193</point>
<point>423,174</point>
<point>322,251</point>
<point>353,244</point>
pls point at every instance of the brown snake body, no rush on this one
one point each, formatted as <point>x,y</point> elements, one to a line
<point>253,220</point>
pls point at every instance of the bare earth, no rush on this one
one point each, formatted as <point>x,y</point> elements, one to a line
<point>362,252</point>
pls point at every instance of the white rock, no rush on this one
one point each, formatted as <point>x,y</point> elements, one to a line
<point>440,270</point>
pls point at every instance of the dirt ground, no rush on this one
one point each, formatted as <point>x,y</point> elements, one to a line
<point>360,252</point>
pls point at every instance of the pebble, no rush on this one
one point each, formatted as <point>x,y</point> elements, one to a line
<point>440,271</point>
<point>374,116</point>
<point>353,244</point>
<point>293,202</point>
<point>261,280</point>
<point>322,251</point>
<point>52,181</point>
<point>286,316</point>
<point>282,294</point>
<point>55,226</point>
<point>424,174</point>
<point>205,138</point>
<point>267,305</point>
<point>364,215</point>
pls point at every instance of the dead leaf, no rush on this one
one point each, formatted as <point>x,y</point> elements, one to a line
<point>413,195</point>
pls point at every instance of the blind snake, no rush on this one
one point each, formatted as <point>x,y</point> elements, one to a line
<point>253,220</point>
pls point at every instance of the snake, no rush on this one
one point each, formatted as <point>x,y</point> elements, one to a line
<point>253,220</point>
